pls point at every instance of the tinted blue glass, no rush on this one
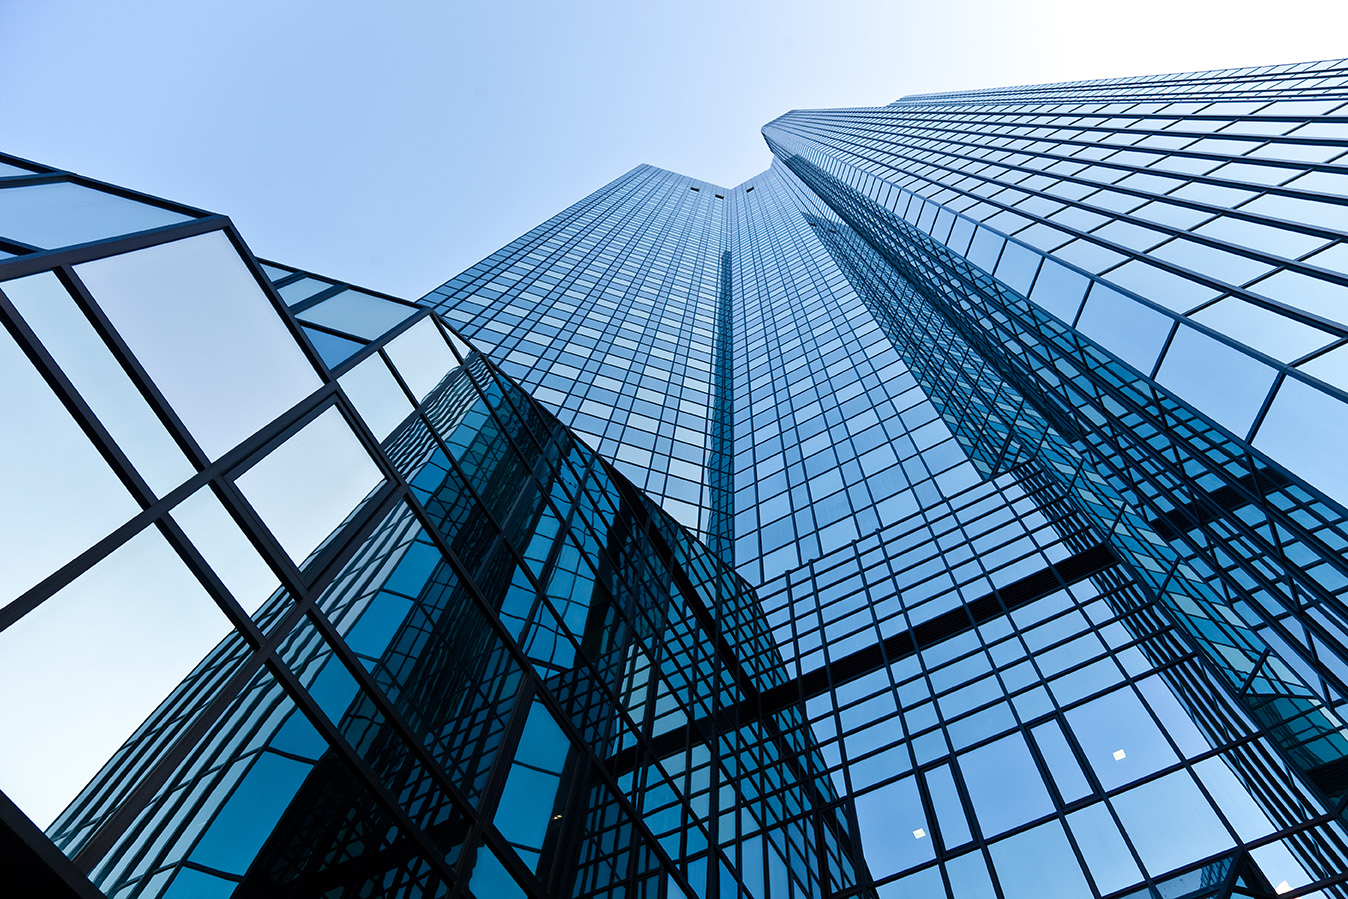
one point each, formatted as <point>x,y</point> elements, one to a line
<point>333,350</point>
<point>1038,864</point>
<point>1004,785</point>
<point>240,827</point>
<point>61,214</point>
<point>358,314</point>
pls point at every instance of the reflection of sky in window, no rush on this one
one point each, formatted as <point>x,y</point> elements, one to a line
<point>62,214</point>
<point>1262,329</point>
<point>1116,722</point>
<point>888,818</point>
<point>100,379</point>
<point>1220,381</point>
<point>199,323</point>
<point>422,357</point>
<point>1304,430</point>
<point>308,485</point>
<point>1170,822</point>
<point>226,549</point>
<point>1004,785</point>
<point>80,672</point>
<point>1107,855</point>
<point>1127,329</point>
<point>376,395</point>
<point>357,313</point>
<point>52,470</point>
<point>1038,864</point>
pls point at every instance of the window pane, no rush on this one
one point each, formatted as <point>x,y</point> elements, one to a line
<point>226,549</point>
<point>62,214</point>
<point>1171,823</point>
<point>63,495</point>
<point>1039,864</point>
<point>308,485</point>
<point>360,314</point>
<point>100,379</point>
<point>376,395</point>
<point>422,357</point>
<point>206,333</point>
<point>80,672</point>
<point>1220,381</point>
<point>1004,785</point>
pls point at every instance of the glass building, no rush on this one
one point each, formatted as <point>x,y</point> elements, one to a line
<point>954,509</point>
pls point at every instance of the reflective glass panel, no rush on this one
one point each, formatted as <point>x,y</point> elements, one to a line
<point>80,672</point>
<point>51,312</point>
<point>422,357</point>
<point>197,320</point>
<point>377,396</point>
<point>308,485</point>
<point>61,495</point>
<point>357,313</point>
<point>61,214</point>
<point>226,549</point>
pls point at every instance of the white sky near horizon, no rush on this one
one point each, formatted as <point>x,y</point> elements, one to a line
<point>394,144</point>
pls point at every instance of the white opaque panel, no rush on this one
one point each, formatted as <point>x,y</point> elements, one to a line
<point>422,357</point>
<point>86,360</point>
<point>198,321</point>
<point>226,549</point>
<point>61,495</point>
<point>82,671</point>
<point>377,396</point>
<point>308,485</point>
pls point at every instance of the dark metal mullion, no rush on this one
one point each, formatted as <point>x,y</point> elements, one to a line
<point>461,572</point>
<point>314,299</point>
<point>45,260</point>
<point>109,830</point>
<point>9,245</point>
<point>111,827</point>
<point>1248,252</point>
<point>295,690</point>
<point>1118,396</point>
<point>130,363</point>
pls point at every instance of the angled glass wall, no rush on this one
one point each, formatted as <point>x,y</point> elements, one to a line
<point>953,509</point>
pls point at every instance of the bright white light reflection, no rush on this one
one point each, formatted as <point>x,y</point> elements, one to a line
<point>919,833</point>
<point>1119,755</point>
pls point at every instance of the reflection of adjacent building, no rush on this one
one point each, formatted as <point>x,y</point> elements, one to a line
<point>521,540</point>
<point>914,554</point>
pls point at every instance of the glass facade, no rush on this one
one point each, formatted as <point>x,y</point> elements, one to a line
<point>954,509</point>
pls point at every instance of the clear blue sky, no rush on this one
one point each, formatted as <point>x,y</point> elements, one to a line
<point>395,143</point>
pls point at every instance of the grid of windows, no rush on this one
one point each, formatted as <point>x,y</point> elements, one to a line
<point>952,509</point>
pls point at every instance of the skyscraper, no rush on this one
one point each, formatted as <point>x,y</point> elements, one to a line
<point>953,509</point>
